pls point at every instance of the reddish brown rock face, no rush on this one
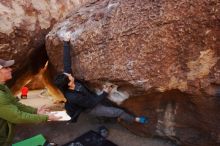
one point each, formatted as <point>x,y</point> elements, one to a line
<point>23,27</point>
<point>185,119</point>
<point>136,44</point>
<point>140,45</point>
<point>162,44</point>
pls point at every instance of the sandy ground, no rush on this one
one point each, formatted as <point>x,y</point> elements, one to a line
<point>63,132</point>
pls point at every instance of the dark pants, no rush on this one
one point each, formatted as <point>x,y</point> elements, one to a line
<point>111,112</point>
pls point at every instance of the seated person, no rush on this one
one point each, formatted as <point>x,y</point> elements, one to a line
<point>13,112</point>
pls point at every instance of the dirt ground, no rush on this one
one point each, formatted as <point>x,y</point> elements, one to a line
<point>63,132</point>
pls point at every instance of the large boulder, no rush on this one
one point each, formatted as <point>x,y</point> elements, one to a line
<point>143,44</point>
<point>187,120</point>
<point>23,27</point>
<point>148,45</point>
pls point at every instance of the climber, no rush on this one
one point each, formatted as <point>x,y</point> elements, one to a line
<point>80,98</point>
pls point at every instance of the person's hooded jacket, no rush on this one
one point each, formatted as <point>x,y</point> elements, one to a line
<point>12,112</point>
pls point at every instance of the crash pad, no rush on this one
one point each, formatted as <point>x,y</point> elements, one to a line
<point>90,138</point>
<point>37,140</point>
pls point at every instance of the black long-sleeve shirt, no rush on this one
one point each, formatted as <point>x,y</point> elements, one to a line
<point>67,58</point>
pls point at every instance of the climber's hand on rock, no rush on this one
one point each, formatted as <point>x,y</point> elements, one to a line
<point>67,36</point>
<point>107,89</point>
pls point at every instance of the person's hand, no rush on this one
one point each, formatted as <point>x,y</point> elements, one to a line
<point>67,36</point>
<point>107,88</point>
<point>43,110</point>
<point>53,117</point>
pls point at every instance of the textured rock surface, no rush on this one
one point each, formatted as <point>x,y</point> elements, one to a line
<point>162,44</point>
<point>136,44</point>
<point>185,119</point>
<point>43,80</point>
<point>144,44</point>
<point>23,27</point>
<point>36,82</point>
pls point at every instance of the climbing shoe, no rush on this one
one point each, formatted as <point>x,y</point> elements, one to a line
<point>142,119</point>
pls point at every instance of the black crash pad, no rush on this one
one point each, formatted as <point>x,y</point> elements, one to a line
<point>90,138</point>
